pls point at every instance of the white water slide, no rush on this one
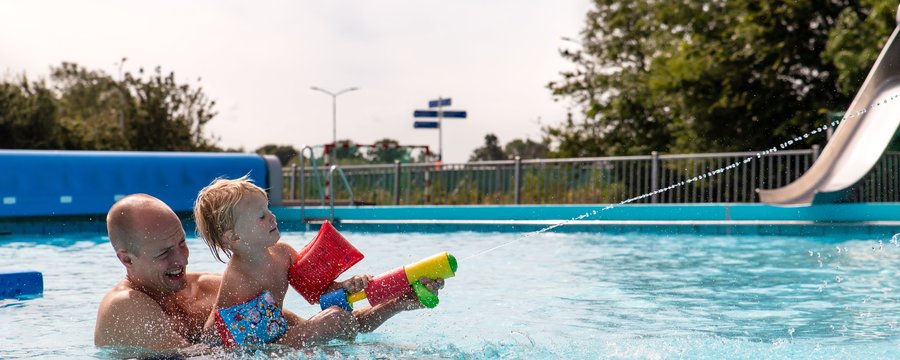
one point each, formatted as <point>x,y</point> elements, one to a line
<point>859,141</point>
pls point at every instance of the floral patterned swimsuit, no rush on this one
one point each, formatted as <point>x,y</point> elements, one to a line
<point>257,321</point>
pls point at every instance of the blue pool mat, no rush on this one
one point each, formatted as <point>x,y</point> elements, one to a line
<point>21,284</point>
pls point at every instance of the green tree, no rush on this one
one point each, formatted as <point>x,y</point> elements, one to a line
<point>84,109</point>
<point>526,149</point>
<point>386,152</point>
<point>284,153</point>
<point>168,115</point>
<point>93,109</point>
<point>699,76</point>
<point>27,115</point>
<point>490,151</point>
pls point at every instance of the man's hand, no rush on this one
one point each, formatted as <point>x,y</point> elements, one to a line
<point>409,300</point>
<point>334,323</point>
<point>370,318</point>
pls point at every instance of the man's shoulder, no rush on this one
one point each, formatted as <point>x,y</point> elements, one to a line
<point>120,308</point>
<point>205,277</point>
<point>130,317</point>
<point>124,298</point>
<point>206,280</point>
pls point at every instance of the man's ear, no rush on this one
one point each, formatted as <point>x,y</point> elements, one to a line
<point>125,258</point>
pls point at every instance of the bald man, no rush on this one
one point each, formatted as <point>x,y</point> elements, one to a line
<point>162,307</point>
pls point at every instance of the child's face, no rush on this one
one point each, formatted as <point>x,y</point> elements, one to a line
<point>254,223</point>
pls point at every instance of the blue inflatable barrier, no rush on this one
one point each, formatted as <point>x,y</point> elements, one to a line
<point>48,183</point>
<point>21,284</point>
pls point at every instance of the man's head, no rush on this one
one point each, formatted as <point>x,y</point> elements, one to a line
<point>220,206</point>
<point>150,241</point>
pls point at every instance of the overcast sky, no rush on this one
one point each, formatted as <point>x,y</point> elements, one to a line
<point>259,59</point>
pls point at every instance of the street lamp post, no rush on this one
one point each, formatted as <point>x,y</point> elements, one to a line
<point>334,96</point>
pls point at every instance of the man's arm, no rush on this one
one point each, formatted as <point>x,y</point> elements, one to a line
<point>332,323</point>
<point>131,318</point>
<point>370,318</point>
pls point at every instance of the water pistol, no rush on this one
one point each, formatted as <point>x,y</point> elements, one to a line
<point>329,254</point>
<point>398,282</point>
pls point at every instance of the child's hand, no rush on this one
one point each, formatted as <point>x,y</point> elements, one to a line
<point>409,300</point>
<point>356,283</point>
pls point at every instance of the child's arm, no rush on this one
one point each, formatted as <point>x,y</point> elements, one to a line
<point>370,318</point>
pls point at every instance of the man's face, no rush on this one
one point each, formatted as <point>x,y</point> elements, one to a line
<point>161,255</point>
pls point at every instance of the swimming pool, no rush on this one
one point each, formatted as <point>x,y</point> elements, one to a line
<point>555,295</point>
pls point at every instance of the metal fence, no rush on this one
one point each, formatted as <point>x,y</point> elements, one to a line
<point>584,180</point>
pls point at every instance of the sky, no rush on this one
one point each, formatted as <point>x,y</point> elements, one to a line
<point>258,60</point>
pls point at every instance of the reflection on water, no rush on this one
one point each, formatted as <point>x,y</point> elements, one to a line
<point>550,296</point>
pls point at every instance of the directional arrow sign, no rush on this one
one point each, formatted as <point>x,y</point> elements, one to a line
<point>455,114</point>
<point>438,102</point>
<point>435,113</point>
<point>425,113</point>
<point>426,125</point>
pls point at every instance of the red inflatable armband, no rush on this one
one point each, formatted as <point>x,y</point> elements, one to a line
<point>320,262</point>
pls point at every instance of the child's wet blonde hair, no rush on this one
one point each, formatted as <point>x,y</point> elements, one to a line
<point>214,210</point>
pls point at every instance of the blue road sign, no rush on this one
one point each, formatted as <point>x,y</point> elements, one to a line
<point>426,125</point>
<point>455,114</point>
<point>434,114</point>
<point>438,102</point>
<point>425,113</point>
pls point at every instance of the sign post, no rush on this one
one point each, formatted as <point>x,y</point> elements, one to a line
<point>440,114</point>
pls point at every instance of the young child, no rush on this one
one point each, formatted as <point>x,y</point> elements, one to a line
<point>234,218</point>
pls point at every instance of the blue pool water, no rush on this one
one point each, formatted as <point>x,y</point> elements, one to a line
<point>572,295</point>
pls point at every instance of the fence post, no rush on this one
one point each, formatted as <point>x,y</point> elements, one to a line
<point>293,182</point>
<point>654,176</point>
<point>396,182</point>
<point>329,186</point>
<point>302,188</point>
<point>517,175</point>
<point>815,152</point>
<point>427,186</point>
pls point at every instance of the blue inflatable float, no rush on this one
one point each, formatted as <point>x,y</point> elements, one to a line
<point>21,284</point>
